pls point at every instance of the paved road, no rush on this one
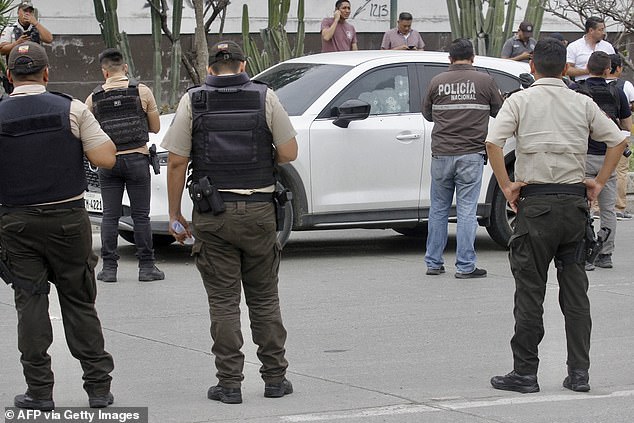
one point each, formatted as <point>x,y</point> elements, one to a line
<point>371,339</point>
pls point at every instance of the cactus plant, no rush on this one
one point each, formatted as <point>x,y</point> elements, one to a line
<point>277,47</point>
<point>175,68</point>
<point>156,43</point>
<point>489,33</point>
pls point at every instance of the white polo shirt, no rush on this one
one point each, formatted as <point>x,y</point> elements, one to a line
<point>578,52</point>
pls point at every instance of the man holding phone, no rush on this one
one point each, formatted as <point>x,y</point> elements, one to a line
<point>520,47</point>
<point>27,28</point>
<point>336,33</point>
<point>403,37</point>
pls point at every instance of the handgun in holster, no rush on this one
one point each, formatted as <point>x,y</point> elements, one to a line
<point>594,244</point>
<point>206,197</point>
<point>280,198</point>
<point>154,160</point>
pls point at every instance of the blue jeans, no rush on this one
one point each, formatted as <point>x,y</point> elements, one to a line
<point>130,172</point>
<point>462,174</point>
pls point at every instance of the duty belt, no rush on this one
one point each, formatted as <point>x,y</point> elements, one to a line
<point>553,189</point>
<point>73,204</point>
<point>263,197</point>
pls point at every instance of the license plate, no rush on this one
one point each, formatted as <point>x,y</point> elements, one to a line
<point>93,202</point>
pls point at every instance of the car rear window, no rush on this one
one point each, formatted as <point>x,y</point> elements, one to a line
<point>298,85</point>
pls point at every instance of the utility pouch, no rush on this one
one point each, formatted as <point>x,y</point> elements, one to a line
<point>154,160</point>
<point>206,197</point>
<point>280,198</point>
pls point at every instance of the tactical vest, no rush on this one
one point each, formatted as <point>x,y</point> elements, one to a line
<point>121,116</point>
<point>41,160</point>
<point>607,98</point>
<point>35,33</point>
<point>231,141</point>
<point>618,83</point>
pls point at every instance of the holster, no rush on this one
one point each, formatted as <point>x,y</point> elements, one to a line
<point>154,160</point>
<point>206,197</point>
<point>280,198</point>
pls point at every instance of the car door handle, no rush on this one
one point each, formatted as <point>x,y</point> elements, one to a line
<point>408,137</point>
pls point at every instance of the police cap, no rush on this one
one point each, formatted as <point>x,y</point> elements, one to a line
<point>225,50</point>
<point>26,57</point>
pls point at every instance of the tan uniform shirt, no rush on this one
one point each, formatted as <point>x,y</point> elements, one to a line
<point>148,103</point>
<point>83,124</point>
<point>551,124</point>
<point>178,139</point>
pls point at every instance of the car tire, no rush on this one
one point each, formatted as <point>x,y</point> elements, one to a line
<point>158,241</point>
<point>285,232</point>
<point>419,231</point>
<point>502,220</point>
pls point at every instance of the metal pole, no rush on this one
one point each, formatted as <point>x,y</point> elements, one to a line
<point>393,13</point>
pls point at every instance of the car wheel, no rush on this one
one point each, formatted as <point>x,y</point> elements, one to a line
<point>502,220</point>
<point>157,240</point>
<point>419,231</point>
<point>285,232</point>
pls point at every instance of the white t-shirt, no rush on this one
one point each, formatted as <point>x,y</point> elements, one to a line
<point>628,88</point>
<point>578,53</point>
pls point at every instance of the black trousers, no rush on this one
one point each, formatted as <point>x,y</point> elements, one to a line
<point>549,227</point>
<point>56,246</point>
<point>131,172</point>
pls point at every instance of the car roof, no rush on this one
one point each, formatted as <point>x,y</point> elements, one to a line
<point>355,58</point>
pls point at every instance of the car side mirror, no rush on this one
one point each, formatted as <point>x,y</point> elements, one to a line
<point>351,110</point>
<point>526,80</point>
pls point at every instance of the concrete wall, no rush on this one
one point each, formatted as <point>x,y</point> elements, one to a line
<point>77,41</point>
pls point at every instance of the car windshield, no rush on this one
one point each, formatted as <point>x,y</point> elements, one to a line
<point>298,85</point>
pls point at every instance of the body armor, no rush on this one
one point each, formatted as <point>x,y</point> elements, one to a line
<point>41,160</point>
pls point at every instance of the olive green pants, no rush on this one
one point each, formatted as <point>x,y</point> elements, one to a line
<point>549,227</point>
<point>236,249</point>
<point>56,246</point>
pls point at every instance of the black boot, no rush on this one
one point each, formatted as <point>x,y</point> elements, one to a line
<point>577,380</point>
<point>108,272</point>
<point>151,273</point>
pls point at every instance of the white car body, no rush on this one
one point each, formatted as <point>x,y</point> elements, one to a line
<point>374,173</point>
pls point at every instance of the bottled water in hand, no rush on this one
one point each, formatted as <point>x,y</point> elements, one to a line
<point>179,228</point>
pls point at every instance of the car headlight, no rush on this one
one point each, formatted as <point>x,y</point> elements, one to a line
<point>162,156</point>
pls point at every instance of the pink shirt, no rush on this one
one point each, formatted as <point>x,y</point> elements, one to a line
<point>345,35</point>
<point>392,38</point>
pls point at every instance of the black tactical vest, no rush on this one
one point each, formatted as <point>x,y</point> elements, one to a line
<point>121,116</point>
<point>41,159</point>
<point>35,33</point>
<point>231,141</point>
<point>607,98</point>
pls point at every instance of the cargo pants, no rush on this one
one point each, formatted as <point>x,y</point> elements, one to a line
<point>549,227</point>
<point>55,245</point>
<point>234,250</point>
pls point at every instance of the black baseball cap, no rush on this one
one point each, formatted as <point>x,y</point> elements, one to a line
<point>226,50</point>
<point>526,27</point>
<point>27,56</point>
<point>26,4</point>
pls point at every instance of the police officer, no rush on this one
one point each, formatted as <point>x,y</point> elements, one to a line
<point>233,130</point>
<point>459,102</point>
<point>44,228</point>
<point>550,194</point>
<point>126,111</point>
<point>27,28</point>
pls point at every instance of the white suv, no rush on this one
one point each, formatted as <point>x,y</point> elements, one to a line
<point>364,146</point>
